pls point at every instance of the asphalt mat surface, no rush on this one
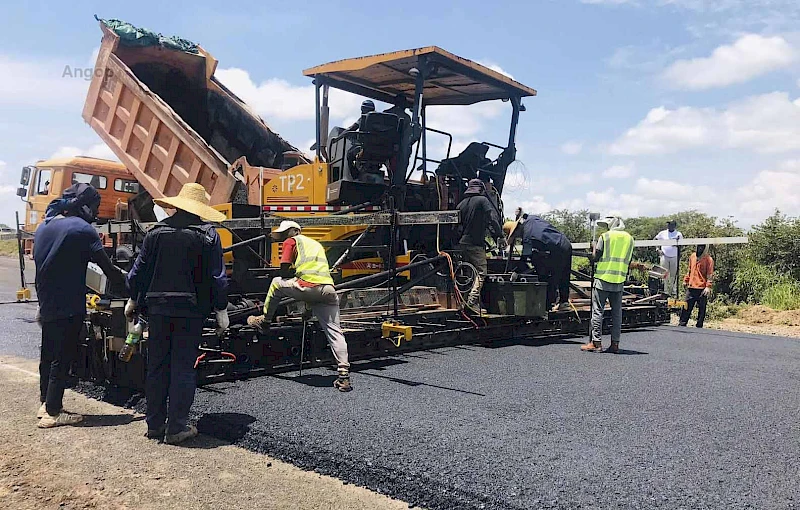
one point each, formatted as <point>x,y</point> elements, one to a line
<point>682,419</point>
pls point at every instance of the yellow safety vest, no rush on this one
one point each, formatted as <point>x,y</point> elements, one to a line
<point>617,254</point>
<point>311,264</point>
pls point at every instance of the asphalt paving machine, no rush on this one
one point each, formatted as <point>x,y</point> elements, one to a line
<point>383,207</point>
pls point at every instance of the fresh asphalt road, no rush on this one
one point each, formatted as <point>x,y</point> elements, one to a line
<point>683,419</point>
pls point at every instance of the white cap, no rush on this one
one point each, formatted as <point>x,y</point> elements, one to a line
<point>286,225</point>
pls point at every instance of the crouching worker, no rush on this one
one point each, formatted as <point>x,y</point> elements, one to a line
<point>312,284</point>
<point>178,279</point>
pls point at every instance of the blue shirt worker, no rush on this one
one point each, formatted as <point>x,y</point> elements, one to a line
<point>177,280</point>
<point>612,253</point>
<point>64,244</point>
<point>551,254</point>
<point>311,284</point>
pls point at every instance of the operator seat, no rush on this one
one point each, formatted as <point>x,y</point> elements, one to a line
<point>358,157</point>
<point>467,164</point>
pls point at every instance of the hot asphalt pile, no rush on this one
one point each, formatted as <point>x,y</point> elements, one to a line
<point>683,419</point>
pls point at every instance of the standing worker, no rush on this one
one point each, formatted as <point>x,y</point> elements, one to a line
<point>177,279</point>
<point>553,257</point>
<point>612,253</point>
<point>312,284</point>
<point>669,257</point>
<point>477,215</point>
<point>698,283</point>
<point>63,246</point>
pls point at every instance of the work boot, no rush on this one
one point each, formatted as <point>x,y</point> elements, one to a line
<point>614,349</point>
<point>156,433</point>
<point>342,383</point>
<point>592,347</point>
<point>189,432</point>
<point>259,322</point>
<point>48,422</point>
<point>563,307</point>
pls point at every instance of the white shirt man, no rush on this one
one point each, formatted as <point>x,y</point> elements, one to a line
<point>669,257</point>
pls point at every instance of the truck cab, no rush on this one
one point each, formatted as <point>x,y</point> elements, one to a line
<point>46,181</point>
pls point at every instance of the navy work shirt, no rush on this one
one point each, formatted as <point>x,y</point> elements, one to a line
<point>63,246</point>
<point>176,260</point>
<point>543,236</point>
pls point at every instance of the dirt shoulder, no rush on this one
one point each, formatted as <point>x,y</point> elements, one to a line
<point>109,464</point>
<point>758,320</point>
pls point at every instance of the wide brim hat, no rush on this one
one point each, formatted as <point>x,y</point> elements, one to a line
<point>192,199</point>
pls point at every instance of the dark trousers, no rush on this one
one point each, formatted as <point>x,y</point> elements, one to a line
<point>694,296</point>
<point>172,349</point>
<point>59,349</point>
<point>554,268</point>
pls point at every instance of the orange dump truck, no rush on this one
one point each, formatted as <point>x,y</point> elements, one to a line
<point>47,179</point>
<point>169,120</point>
<point>156,103</point>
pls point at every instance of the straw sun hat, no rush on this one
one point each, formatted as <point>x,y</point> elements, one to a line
<point>192,199</point>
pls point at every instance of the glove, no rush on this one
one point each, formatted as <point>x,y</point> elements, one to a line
<point>222,321</point>
<point>501,243</point>
<point>130,309</point>
<point>707,292</point>
<point>38,317</point>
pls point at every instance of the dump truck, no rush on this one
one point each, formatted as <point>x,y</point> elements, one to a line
<point>371,193</point>
<point>170,121</point>
<point>47,179</point>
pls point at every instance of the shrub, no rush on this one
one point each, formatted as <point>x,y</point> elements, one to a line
<point>751,280</point>
<point>721,308</point>
<point>782,296</point>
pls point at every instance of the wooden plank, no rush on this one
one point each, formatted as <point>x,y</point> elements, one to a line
<point>130,123</point>
<point>174,123</point>
<point>108,45</point>
<point>148,145</point>
<point>692,241</point>
<point>112,105</point>
<point>166,171</point>
<point>197,164</point>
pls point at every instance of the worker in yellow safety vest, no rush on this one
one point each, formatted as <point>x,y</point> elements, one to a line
<point>612,253</point>
<point>312,284</point>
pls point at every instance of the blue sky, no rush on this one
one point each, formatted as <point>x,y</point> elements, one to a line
<point>644,106</point>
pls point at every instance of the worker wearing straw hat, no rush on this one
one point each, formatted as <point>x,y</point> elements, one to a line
<point>177,280</point>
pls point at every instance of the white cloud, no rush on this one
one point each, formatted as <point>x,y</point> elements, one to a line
<point>769,123</point>
<point>51,83</point>
<point>462,121</point>
<point>639,203</point>
<point>580,178</point>
<point>494,67</point>
<point>537,205</point>
<point>750,56</point>
<point>571,147</point>
<point>280,100</point>
<point>770,190</point>
<point>608,2</point>
<point>619,171</point>
<point>99,150</point>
